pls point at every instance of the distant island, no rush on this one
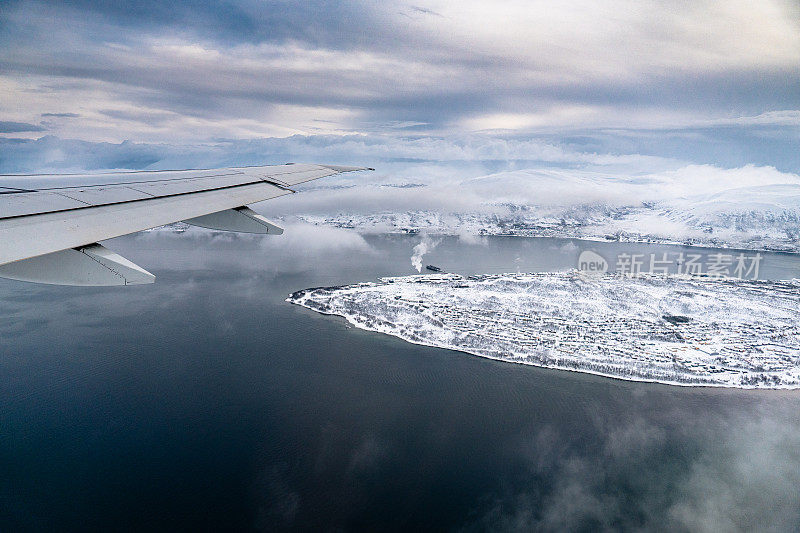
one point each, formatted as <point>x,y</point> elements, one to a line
<point>666,329</point>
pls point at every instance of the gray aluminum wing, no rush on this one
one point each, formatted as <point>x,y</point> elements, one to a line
<point>42,227</point>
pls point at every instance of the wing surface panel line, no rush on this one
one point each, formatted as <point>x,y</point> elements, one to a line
<point>89,206</point>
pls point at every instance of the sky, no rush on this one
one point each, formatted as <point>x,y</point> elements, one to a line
<point>152,84</point>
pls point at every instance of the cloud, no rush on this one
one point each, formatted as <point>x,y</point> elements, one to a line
<point>465,236</point>
<point>246,261</point>
<point>307,239</point>
<point>734,472</point>
<point>17,127</point>
<point>199,71</point>
<point>299,240</point>
<point>783,117</point>
<point>739,487</point>
<point>473,154</point>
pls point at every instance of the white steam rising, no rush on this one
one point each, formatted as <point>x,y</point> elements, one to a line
<point>426,244</point>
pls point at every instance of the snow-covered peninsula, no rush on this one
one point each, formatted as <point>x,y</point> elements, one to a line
<point>675,330</point>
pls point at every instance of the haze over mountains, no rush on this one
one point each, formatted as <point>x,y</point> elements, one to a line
<point>749,207</point>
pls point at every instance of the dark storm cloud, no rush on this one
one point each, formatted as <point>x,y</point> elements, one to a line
<point>18,127</point>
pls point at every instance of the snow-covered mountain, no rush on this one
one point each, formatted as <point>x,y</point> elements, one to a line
<point>750,207</point>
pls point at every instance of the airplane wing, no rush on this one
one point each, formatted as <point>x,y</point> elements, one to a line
<point>50,234</point>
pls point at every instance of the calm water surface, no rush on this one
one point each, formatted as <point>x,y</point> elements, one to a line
<point>205,402</point>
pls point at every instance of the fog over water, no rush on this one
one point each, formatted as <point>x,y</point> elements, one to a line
<point>207,402</point>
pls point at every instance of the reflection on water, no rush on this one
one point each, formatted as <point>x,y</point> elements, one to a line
<point>205,401</point>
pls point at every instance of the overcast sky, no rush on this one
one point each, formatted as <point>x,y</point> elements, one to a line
<point>711,82</point>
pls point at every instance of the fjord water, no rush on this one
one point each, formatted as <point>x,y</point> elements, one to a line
<point>206,402</point>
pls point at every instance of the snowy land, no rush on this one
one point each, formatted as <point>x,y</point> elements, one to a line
<point>753,208</point>
<point>667,329</point>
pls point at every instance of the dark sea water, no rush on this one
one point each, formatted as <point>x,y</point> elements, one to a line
<point>206,402</point>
